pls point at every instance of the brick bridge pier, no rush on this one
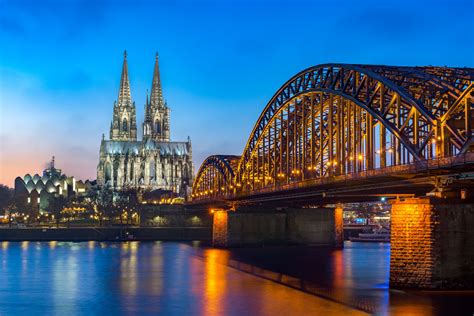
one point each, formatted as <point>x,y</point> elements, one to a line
<point>432,244</point>
<point>249,226</point>
<point>432,240</point>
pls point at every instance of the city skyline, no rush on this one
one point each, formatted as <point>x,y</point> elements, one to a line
<point>220,64</point>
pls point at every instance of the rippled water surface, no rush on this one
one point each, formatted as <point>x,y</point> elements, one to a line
<point>91,278</point>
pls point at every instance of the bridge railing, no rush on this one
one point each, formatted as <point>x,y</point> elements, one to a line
<point>412,168</point>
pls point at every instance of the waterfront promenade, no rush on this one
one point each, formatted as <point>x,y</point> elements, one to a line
<point>124,233</point>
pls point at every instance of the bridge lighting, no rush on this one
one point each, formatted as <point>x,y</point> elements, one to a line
<point>382,199</point>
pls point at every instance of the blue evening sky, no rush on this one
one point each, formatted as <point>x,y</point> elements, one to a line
<point>221,61</point>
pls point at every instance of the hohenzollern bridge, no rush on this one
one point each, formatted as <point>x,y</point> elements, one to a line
<point>340,133</point>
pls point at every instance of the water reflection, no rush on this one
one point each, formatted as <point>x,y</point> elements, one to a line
<point>65,287</point>
<point>154,283</point>
<point>339,269</point>
<point>128,268</point>
<point>24,245</point>
<point>215,281</point>
<point>177,278</point>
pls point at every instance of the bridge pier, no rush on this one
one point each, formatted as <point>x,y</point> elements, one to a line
<point>432,244</point>
<point>256,226</point>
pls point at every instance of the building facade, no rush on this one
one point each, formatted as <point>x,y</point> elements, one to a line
<point>38,190</point>
<point>152,163</point>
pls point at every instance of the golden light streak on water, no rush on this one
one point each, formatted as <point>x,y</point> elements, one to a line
<point>215,281</point>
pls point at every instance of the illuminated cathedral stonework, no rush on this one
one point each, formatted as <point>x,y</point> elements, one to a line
<point>155,162</point>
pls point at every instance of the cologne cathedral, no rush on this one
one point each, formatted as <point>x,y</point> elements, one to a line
<point>152,163</point>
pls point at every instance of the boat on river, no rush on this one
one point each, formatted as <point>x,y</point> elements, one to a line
<point>380,235</point>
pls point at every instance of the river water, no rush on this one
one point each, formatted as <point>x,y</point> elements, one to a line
<point>92,278</point>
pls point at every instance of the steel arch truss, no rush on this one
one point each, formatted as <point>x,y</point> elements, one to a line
<point>419,107</point>
<point>215,176</point>
<point>334,119</point>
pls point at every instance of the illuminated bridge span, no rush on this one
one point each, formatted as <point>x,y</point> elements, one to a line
<point>216,175</point>
<point>338,122</point>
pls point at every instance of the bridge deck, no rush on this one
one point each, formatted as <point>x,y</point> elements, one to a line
<point>416,178</point>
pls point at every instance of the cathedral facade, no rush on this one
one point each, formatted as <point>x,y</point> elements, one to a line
<point>152,163</point>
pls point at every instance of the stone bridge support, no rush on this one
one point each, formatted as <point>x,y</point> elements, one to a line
<point>259,226</point>
<point>432,244</point>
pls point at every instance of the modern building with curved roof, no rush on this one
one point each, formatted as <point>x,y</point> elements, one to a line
<point>38,190</point>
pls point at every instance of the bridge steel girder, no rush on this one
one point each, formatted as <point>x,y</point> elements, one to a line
<point>334,119</point>
<point>215,176</point>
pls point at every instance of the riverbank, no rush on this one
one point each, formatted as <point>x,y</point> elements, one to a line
<point>107,234</point>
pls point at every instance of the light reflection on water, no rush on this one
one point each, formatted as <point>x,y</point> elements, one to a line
<point>215,281</point>
<point>176,278</point>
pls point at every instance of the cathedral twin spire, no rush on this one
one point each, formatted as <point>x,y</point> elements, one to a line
<point>156,122</point>
<point>124,97</point>
<point>156,91</point>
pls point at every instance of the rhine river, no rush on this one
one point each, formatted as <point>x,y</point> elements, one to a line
<point>91,278</point>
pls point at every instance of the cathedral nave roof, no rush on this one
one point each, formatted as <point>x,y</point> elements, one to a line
<point>135,147</point>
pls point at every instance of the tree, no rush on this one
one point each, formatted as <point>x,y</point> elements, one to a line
<point>19,207</point>
<point>127,204</point>
<point>103,203</point>
<point>6,197</point>
<point>55,206</point>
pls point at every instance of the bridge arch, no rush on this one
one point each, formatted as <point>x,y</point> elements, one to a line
<point>403,106</point>
<point>334,119</point>
<point>215,176</point>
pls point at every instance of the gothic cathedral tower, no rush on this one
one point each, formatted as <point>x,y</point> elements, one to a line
<point>155,162</point>
<point>156,125</point>
<point>123,125</point>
